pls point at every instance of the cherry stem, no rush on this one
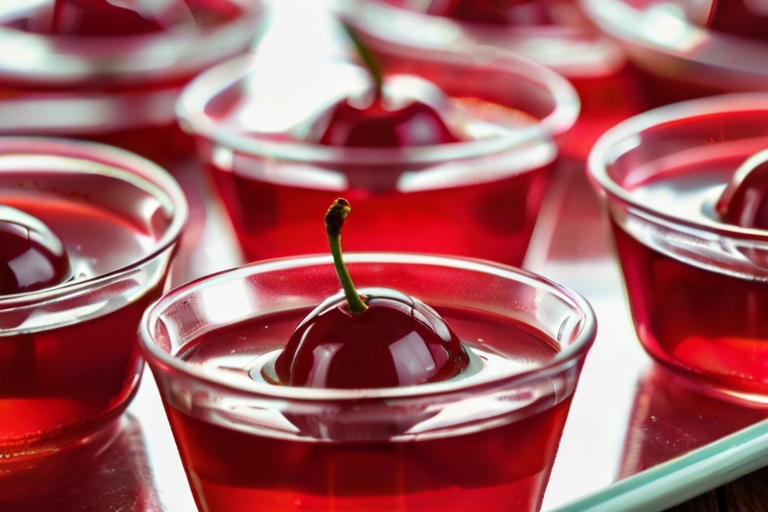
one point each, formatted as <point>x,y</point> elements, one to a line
<point>334,219</point>
<point>368,58</point>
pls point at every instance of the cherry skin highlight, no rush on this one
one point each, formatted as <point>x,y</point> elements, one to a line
<point>32,257</point>
<point>397,341</point>
<point>743,202</point>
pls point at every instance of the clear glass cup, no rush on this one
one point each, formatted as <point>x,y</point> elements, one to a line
<point>677,56</point>
<point>485,440</point>
<point>69,360</point>
<point>553,33</point>
<point>109,77</point>
<point>696,285</point>
<point>477,198</point>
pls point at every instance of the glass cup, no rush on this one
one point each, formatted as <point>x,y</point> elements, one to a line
<point>477,198</point>
<point>677,57</point>
<point>485,440</point>
<point>94,69</point>
<point>553,33</point>
<point>69,361</point>
<point>696,285</point>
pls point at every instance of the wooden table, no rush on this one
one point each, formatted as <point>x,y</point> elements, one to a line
<point>747,494</point>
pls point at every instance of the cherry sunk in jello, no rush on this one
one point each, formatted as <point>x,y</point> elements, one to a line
<point>743,18</point>
<point>743,201</point>
<point>374,339</point>
<point>32,257</point>
<point>389,118</point>
<point>497,12</point>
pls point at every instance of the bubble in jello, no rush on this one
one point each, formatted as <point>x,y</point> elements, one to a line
<point>32,257</point>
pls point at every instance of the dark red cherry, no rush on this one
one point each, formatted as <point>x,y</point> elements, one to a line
<point>743,202</point>
<point>498,12</point>
<point>32,257</point>
<point>745,18</point>
<point>396,341</point>
<point>382,338</point>
<point>102,18</point>
<point>390,119</point>
<point>416,124</point>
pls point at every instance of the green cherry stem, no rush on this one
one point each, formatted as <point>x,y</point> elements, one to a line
<point>334,219</point>
<point>368,58</point>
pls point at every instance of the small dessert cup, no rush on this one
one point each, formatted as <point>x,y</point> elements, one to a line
<point>553,33</point>
<point>69,361</point>
<point>696,285</point>
<point>484,440</point>
<point>677,56</point>
<point>479,197</point>
<point>94,69</point>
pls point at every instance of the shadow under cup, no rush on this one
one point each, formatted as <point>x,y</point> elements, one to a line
<point>477,198</point>
<point>482,441</point>
<point>697,287</point>
<point>69,361</point>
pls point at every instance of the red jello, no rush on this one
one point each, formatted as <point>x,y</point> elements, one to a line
<point>479,468</point>
<point>553,33</point>
<point>695,280</point>
<point>484,439</point>
<point>682,50</point>
<point>111,71</point>
<point>478,197</point>
<point>69,363</point>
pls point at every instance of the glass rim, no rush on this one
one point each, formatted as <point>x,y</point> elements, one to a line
<point>576,56</point>
<point>564,359</point>
<point>713,50</point>
<point>190,111</point>
<point>55,60</point>
<point>98,153</point>
<point>603,151</point>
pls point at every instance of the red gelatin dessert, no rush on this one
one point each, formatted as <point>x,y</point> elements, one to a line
<point>482,438</point>
<point>258,129</point>
<point>86,235</point>
<point>688,218</point>
<point>111,71</point>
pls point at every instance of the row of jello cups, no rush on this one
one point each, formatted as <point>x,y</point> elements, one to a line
<point>406,433</point>
<point>73,364</point>
<point>532,334</point>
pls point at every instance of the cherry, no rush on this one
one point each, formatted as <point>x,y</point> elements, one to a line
<point>32,257</point>
<point>497,12</point>
<point>100,18</point>
<point>746,18</point>
<point>382,338</point>
<point>416,124</point>
<point>743,202</point>
<point>382,123</point>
